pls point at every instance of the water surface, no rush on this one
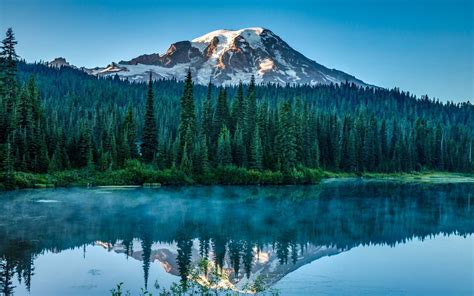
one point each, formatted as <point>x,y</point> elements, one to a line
<point>339,238</point>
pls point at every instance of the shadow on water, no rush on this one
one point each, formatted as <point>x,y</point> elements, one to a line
<point>249,230</point>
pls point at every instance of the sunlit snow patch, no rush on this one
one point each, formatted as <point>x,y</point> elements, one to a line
<point>265,66</point>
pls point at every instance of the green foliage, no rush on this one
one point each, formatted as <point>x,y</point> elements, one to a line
<point>55,120</point>
<point>8,166</point>
<point>256,151</point>
<point>286,141</point>
<point>250,115</point>
<point>118,291</point>
<point>221,117</point>
<point>232,175</point>
<point>207,115</point>
<point>238,108</point>
<point>187,124</point>
<point>149,137</point>
<point>224,156</point>
<point>239,148</point>
<point>137,173</point>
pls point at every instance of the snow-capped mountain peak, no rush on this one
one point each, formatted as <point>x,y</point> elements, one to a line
<point>226,37</point>
<point>228,56</point>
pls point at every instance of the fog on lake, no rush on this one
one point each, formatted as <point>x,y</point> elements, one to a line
<point>300,239</point>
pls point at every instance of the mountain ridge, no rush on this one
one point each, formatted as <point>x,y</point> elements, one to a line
<point>226,57</point>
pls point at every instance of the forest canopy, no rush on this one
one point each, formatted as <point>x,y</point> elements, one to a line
<point>62,119</point>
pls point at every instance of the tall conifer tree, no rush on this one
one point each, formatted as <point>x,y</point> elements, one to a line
<point>187,122</point>
<point>224,153</point>
<point>149,137</point>
<point>250,116</point>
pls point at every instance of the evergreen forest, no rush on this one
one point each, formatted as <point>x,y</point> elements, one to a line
<point>64,126</point>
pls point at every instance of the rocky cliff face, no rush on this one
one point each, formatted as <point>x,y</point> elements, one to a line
<point>58,63</point>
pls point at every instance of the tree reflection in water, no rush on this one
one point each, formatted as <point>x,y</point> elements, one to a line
<point>241,230</point>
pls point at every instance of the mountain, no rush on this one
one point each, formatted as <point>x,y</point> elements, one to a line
<point>265,262</point>
<point>225,57</point>
<point>58,63</point>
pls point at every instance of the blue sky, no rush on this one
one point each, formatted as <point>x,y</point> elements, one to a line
<point>422,46</point>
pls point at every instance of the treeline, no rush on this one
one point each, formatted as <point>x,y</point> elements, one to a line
<point>61,119</point>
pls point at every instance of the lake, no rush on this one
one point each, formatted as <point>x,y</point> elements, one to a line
<point>338,238</point>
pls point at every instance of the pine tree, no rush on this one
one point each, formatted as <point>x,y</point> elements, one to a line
<point>130,132</point>
<point>201,156</point>
<point>238,111</point>
<point>8,166</point>
<point>360,137</point>
<point>36,108</point>
<point>286,138</point>
<point>270,137</point>
<point>186,161</point>
<point>187,114</point>
<point>333,140</point>
<point>314,147</point>
<point>256,159</point>
<point>308,158</point>
<point>7,272</point>
<point>348,157</point>
<point>221,117</point>
<point>149,137</point>
<point>235,247</point>
<point>250,115</point>
<point>8,86</point>
<point>24,109</point>
<point>239,148</point>
<point>370,145</point>
<point>9,58</point>
<point>41,155</point>
<point>420,139</point>
<point>262,126</point>
<point>187,153</point>
<point>384,149</point>
<point>438,148</point>
<point>3,118</point>
<point>224,156</point>
<point>85,148</point>
<point>351,153</point>
<point>299,125</point>
<point>183,259</point>
<point>146,244</point>
<point>247,258</point>
<point>175,152</point>
<point>60,159</point>
<point>207,114</point>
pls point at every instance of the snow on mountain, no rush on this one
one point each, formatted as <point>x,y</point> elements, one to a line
<point>265,262</point>
<point>226,57</point>
<point>110,69</point>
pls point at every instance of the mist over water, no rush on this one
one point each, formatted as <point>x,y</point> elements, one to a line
<point>339,238</point>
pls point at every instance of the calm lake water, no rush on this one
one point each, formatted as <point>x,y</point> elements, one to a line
<point>338,238</point>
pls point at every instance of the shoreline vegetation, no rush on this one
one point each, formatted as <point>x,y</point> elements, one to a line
<point>136,174</point>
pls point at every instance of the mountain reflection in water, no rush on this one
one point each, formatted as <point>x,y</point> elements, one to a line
<point>244,231</point>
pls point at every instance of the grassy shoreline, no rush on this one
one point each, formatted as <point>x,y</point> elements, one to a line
<point>138,174</point>
<point>434,177</point>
